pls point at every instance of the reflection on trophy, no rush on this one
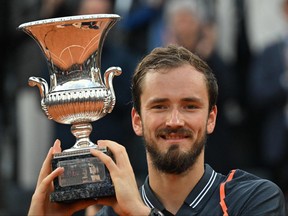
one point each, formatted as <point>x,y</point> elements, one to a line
<point>77,95</point>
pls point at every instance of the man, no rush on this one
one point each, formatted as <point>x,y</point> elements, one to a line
<point>174,95</point>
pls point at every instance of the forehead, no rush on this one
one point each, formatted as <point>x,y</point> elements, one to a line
<point>180,81</point>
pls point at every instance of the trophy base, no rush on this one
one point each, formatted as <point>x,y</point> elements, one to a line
<point>84,177</point>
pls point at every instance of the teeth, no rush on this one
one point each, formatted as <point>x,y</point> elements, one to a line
<point>174,137</point>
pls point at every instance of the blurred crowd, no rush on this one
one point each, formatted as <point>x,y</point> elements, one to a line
<point>245,42</point>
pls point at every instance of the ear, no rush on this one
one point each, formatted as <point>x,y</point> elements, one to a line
<point>136,122</point>
<point>212,120</point>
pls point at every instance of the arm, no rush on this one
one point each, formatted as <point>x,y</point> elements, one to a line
<point>40,203</point>
<point>127,200</point>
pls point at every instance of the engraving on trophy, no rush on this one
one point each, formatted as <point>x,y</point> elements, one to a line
<point>77,95</point>
<point>81,171</point>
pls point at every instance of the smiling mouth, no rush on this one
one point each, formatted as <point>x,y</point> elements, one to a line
<point>174,133</point>
<point>173,136</point>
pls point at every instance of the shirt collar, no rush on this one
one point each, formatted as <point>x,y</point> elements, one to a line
<point>204,188</point>
<point>200,193</point>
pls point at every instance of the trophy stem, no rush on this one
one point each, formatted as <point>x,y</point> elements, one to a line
<point>82,132</point>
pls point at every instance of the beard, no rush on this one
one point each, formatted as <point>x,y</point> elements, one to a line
<point>175,161</point>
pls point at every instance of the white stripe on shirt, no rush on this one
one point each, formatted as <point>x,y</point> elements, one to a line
<point>145,198</point>
<point>204,191</point>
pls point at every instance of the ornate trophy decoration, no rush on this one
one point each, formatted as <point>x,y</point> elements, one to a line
<point>77,95</point>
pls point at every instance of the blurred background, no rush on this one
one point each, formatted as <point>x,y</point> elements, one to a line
<point>244,41</point>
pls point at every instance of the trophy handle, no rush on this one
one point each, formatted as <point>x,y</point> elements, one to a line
<point>43,88</point>
<point>108,77</point>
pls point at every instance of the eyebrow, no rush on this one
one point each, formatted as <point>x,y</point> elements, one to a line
<point>192,99</point>
<point>187,99</point>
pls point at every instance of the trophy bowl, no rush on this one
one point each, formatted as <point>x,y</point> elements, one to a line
<point>77,95</point>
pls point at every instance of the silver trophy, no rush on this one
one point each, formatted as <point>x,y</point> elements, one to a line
<point>77,95</point>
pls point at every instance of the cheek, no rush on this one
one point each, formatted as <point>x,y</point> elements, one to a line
<point>197,124</point>
<point>150,124</point>
<point>147,123</point>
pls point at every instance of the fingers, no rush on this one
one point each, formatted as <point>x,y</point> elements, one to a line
<point>40,204</point>
<point>46,166</point>
<point>119,153</point>
<point>107,160</point>
<point>122,176</point>
<point>46,183</point>
<point>57,147</point>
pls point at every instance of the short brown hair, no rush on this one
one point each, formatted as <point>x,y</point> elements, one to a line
<point>172,56</point>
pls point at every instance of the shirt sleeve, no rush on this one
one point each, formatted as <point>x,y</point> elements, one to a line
<point>268,199</point>
<point>250,195</point>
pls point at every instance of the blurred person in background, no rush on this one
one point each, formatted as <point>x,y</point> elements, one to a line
<point>143,24</point>
<point>191,23</point>
<point>268,90</point>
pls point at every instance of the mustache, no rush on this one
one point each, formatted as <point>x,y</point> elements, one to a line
<point>176,131</point>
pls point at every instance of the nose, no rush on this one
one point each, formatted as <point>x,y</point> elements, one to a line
<point>175,119</point>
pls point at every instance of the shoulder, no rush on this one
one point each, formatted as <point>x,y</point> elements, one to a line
<point>250,194</point>
<point>248,184</point>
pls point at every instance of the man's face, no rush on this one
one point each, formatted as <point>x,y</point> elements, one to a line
<point>186,28</point>
<point>174,118</point>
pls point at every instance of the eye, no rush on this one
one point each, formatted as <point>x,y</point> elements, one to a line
<point>159,107</point>
<point>190,106</point>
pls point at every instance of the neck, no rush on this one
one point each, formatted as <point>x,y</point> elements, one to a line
<point>172,189</point>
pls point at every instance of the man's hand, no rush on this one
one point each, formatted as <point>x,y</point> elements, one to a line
<point>40,204</point>
<point>127,200</point>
